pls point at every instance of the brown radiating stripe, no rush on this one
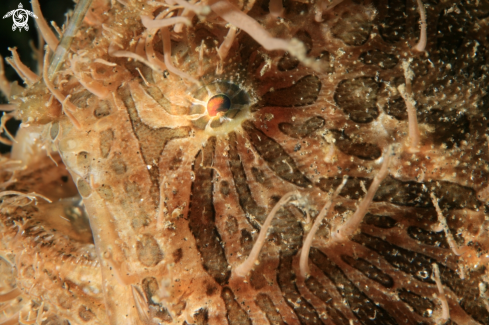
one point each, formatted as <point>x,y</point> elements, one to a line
<point>451,195</point>
<point>246,200</point>
<point>384,222</point>
<point>302,130</point>
<point>151,141</point>
<point>236,315</point>
<point>420,267</point>
<point>277,159</point>
<point>286,280</point>
<point>369,270</point>
<point>266,305</point>
<point>304,92</point>
<point>428,237</point>
<point>362,306</point>
<point>202,216</point>
<point>286,227</point>
<point>319,291</point>
<point>416,264</point>
<point>421,305</point>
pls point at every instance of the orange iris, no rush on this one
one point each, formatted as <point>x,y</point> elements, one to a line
<point>218,103</point>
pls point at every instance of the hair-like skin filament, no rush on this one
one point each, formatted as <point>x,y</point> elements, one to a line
<point>227,43</point>
<point>12,294</point>
<point>247,265</point>
<point>96,88</point>
<point>443,299</point>
<point>236,17</point>
<point>420,47</point>
<point>141,303</point>
<point>14,319</point>
<point>198,9</point>
<point>165,35</point>
<point>187,13</point>
<point>8,107</point>
<point>306,247</point>
<point>276,8</point>
<point>148,43</point>
<point>3,121</point>
<point>407,94</point>
<point>31,196</point>
<point>66,104</point>
<point>46,31</point>
<point>346,230</point>
<point>22,70</point>
<point>130,55</point>
<point>165,22</point>
<point>443,225</point>
<point>4,84</point>
<point>74,23</point>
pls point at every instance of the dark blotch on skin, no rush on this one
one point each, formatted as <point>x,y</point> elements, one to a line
<point>369,270</point>
<point>451,195</point>
<point>353,146</point>
<point>275,156</point>
<point>421,305</point>
<point>420,267</point>
<point>361,306</point>
<point>236,315</point>
<point>357,98</point>
<point>246,241</point>
<point>246,200</point>
<point>202,216</point>
<point>148,251</point>
<point>150,288</point>
<point>266,305</point>
<point>304,92</point>
<point>428,237</point>
<point>302,130</point>
<point>286,280</point>
<point>353,28</point>
<point>289,62</point>
<point>396,106</point>
<point>321,292</point>
<point>177,255</point>
<point>384,222</point>
<point>102,109</point>
<point>106,139</point>
<point>393,26</point>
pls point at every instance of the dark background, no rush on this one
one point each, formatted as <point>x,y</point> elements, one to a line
<point>51,10</point>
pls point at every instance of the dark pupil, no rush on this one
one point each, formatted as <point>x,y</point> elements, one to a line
<point>218,103</point>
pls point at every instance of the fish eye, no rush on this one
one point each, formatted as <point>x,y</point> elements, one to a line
<point>218,103</point>
<point>222,106</point>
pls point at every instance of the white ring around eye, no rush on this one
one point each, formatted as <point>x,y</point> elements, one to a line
<point>223,122</point>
